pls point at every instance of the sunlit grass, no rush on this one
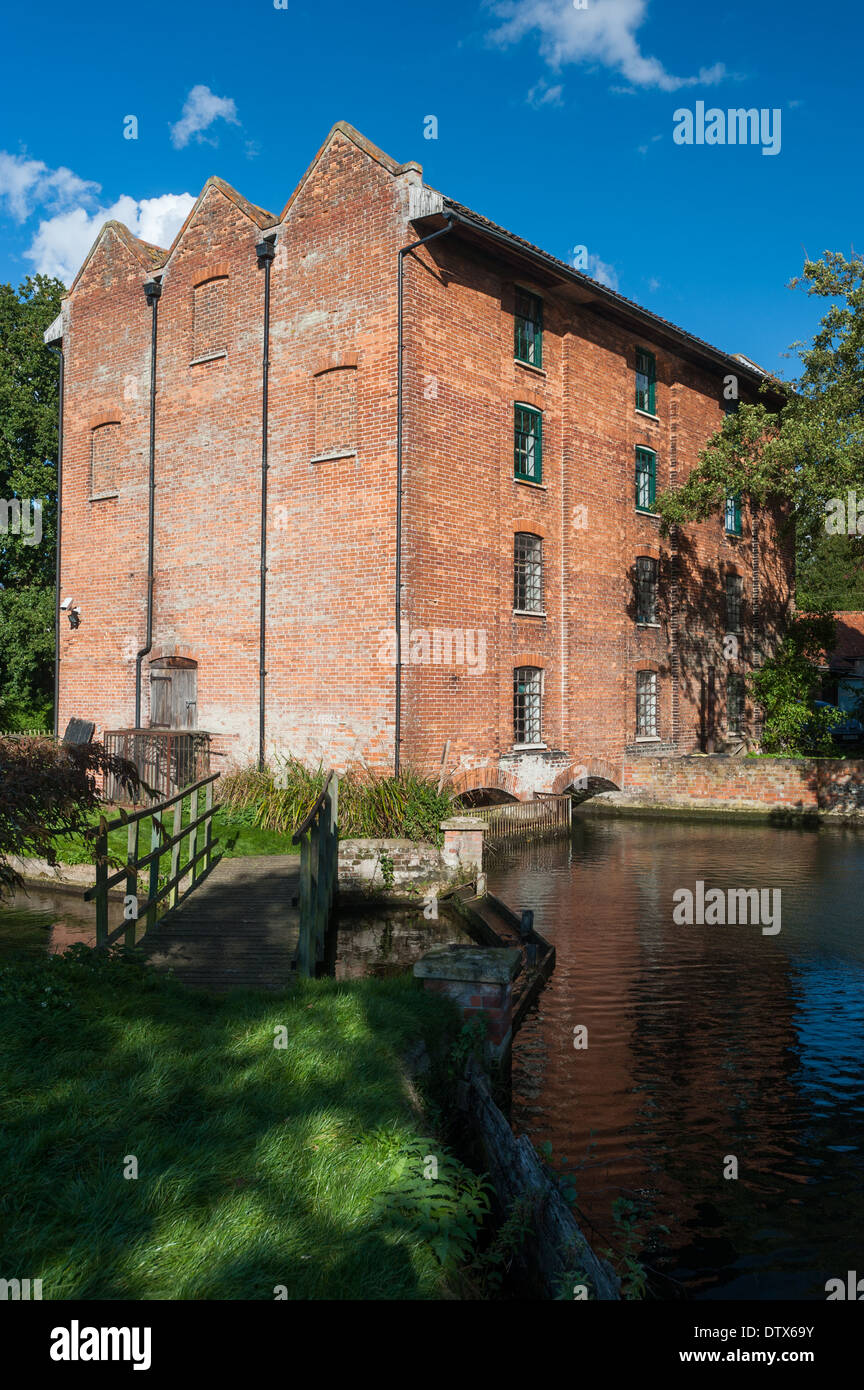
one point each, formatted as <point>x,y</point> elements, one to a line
<point>257,1166</point>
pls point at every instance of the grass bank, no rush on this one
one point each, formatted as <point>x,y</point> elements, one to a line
<point>259,1166</point>
<point>237,838</point>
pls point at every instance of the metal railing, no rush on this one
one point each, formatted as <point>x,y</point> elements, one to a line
<point>520,820</point>
<point>318,838</point>
<point>196,867</point>
<point>167,760</point>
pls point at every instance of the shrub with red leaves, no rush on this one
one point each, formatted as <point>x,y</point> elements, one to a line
<point>49,789</point>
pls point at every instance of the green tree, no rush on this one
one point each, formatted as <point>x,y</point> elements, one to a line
<point>804,441</point>
<point>28,451</point>
<point>787,684</point>
<point>49,789</point>
<point>829,573</point>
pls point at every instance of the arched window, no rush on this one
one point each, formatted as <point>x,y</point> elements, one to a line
<point>527,573</point>
<point>527,704</point>
<point>646,704</point>
<point>733,603</point>
<point>646,589</point>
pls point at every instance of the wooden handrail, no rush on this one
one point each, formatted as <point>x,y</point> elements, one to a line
<point>319,802</point>
<point>161,805</point>
<point>318,837</point>
<point>160,843</point>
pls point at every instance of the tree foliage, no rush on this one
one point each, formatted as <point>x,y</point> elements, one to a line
<point>786,685</point>
<point>829,573</point>
<point>810,448</point>
<point>49,789</point>
<point>29,377</point>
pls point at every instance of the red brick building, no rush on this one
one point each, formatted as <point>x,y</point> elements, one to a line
<point>544,624</point>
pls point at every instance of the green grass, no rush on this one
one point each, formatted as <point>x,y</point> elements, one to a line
<point>258,1167</point>
<point>236,838</point>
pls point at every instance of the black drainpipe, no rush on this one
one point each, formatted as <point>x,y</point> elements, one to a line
<point>265,251</point>
<point>442,231</point>
<point>152,290</point>
<point>59,353</point>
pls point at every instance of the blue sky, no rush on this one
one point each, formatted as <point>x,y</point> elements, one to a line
<point>555,121</point>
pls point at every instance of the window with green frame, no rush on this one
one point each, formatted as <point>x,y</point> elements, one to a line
<point>528,443</point>
<point>732,516</point>
<point>528,328</point>
<point>646,479</point>
<point>646,380</point>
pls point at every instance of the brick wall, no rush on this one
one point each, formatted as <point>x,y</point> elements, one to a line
<point>332,494</point>
<point>815,784</point>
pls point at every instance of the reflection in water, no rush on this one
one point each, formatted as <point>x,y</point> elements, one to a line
<point>704,1043</point>
<point>36,920</point>
<point>374,944</point>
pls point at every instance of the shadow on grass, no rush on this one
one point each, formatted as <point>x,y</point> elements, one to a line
<point>258,1166</point>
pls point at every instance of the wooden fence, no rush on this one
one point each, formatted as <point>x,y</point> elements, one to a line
<point>522,820</point>
<point>165,895</point>
<point>318,838</point>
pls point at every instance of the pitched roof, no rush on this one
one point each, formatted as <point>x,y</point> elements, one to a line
<point>603,292</point>
<point>849,639</point>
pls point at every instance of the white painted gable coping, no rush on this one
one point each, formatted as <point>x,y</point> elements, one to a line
<point>54,333</point>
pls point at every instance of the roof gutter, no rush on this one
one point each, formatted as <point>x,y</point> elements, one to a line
<point>602,292</point>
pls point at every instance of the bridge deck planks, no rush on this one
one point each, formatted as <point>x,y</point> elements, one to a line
<point>237,930</point>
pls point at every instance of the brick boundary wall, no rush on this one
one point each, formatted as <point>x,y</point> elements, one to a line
<point>826,785</point>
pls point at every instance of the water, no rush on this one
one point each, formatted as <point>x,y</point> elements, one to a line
<point>705,1044</point>
<point>35,921</point>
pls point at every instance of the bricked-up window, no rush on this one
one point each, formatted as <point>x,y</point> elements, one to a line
<point>210,317</point>
<point>735,704</point>
<point>104,458</point>
<point>528,444</point>
<point>528,335</point>
<point>527,573</point>
<point>336,412</point>
<point>733,603</point>
<point>527,704</point>
<point>646,381</point>
<point>646,479</point>
<point>646,704</point>
<point>646,589</point>
<point>732,516</point>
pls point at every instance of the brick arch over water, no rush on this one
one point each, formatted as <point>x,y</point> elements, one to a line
<point>488,777</point>
<point>597,770</point>
<point>603,775</point>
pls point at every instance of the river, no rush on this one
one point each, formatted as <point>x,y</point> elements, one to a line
<point>707,1047</point>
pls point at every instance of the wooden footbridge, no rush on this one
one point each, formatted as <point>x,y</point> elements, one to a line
<point>218,923</point>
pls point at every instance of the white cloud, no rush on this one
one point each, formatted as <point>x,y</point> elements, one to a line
<point>600,271</point>
<point>605,32</point>
<point>62,242</point>
<point>200,109</point>
<point>26,184</point>
<point>542,95</point>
